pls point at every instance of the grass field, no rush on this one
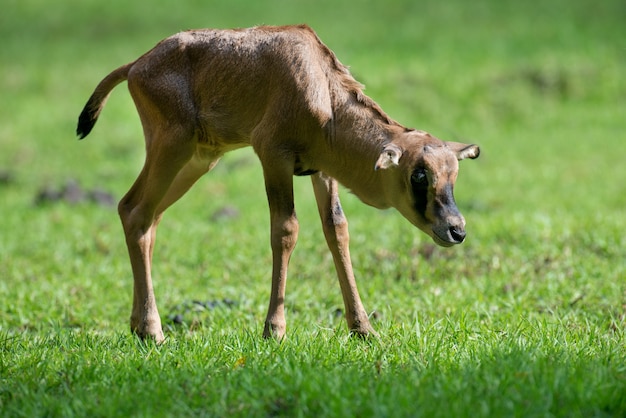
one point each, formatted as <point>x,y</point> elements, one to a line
<point>527,318</point>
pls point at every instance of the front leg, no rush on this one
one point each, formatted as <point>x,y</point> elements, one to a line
<point>284,234</point>
<point>335,228</point>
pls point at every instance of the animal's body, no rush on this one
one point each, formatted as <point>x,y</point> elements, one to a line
<point>200,94</point>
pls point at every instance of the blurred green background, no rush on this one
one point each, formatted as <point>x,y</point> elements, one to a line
<point>539,85</point>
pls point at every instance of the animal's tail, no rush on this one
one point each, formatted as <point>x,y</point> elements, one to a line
<point>96,102</point>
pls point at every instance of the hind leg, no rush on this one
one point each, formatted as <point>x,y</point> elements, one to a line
<point>186,177</point>
<point>170,169</point>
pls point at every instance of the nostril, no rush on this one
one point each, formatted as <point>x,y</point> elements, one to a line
<point>457,233</point>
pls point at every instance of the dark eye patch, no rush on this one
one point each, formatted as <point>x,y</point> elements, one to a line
<point>419,178</point>
<point>419,186</point>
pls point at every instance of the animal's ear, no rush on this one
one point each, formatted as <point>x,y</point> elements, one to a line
<point>463,151</point>
<point>389,157</point>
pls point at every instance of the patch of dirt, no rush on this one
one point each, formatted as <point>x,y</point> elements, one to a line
<point>73,193</point>
<point>178,312</point>
<point>225,213</point>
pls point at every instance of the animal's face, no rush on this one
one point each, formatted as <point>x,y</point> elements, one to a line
<point>420,172</point>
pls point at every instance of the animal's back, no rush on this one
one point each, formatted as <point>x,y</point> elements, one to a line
<point>232,81</point>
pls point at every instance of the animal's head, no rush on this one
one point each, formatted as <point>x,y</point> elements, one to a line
<point>419,173</point>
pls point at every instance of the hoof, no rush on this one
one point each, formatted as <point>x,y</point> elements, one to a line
<point>274,331</point>
<point>152,331</point>
<point>365,334</point>
<point>364,330</point>
<point>158,338</point>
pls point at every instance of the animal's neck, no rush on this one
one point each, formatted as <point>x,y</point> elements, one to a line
<point>357,138</point>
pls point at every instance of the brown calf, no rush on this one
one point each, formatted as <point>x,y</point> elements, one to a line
<point>202,93</point>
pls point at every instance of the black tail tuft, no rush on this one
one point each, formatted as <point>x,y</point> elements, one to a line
<point>86,121</point>
<point>96,102</point>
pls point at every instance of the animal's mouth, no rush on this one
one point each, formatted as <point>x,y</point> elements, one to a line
<point>449,237</point>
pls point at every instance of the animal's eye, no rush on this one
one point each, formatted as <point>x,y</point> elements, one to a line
<point>419,177</point>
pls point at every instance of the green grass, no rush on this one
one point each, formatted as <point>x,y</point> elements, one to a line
<point>527,318</point>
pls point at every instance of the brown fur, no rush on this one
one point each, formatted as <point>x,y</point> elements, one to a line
<point>202,93</point>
